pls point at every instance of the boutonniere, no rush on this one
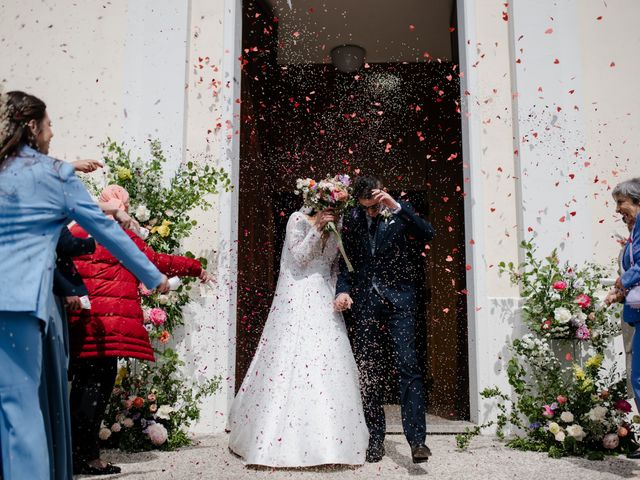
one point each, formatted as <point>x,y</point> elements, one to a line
<point>386,214</point>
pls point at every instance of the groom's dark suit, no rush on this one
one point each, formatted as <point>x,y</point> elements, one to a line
<point>383,290</point>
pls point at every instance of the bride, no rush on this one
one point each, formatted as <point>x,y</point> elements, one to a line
<point>299,404</point>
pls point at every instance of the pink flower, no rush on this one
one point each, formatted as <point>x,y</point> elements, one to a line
<point>157,433</point>
<point>583,300</point>
<point>582,333</point>
<point>151,397</point>
<point>560,285</point>
<point>610,441</point>
<point>157,316</point>
<point>561,399</point>
<point>164,336</point>
<point>548,411</point>
<point>623,406</point>
<point>145,291</point>
<point>127,404</point>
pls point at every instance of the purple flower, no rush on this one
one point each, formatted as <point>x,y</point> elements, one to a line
<point>345,179</point>
<point>535,425</point>
<point>582,333</point>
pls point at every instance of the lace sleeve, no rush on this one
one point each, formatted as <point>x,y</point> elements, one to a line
<point>303,241</point>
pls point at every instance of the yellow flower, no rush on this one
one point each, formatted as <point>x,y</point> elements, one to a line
<point>124,173</point>
<point>122,372</point>
<point>594,361</point>
<point>164,230</point>
<point>578,372</point>
<point>587,384</point>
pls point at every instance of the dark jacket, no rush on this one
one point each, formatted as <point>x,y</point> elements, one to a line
<point>67,282</point>
<point>392,268</point>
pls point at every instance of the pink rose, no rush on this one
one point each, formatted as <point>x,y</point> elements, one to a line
<point>340,195</point>
<point>127,404</point>
<point>157,316</point>
<point>560,285</point>
<point>610,441</point>
<point>548,411</point>
<point>151,397</point>
<point>623,406</point>
<point>583,333</point>
<point>157,433</point>
<point>145,291</point>
<point>561,399</point>
<point>583,300</point>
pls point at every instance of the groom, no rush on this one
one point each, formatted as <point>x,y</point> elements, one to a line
<point>382,295</point>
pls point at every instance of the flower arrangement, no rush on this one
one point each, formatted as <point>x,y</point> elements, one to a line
<point>152,403</point>
<point>332,192</point>
<point>561,301</point>
<point>562,405</point>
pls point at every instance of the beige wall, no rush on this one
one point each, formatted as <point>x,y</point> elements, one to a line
<point>71,55</point>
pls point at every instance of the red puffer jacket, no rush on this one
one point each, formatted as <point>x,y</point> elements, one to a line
<point>114,326</point>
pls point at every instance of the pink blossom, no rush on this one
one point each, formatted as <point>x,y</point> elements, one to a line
<point>583,333</point>
<point>561,399</point>
<point>548,411</point>
<point>623,406</point>
<point>157,316</point>
<point>583,300</point>
<point>145,291</point>
<point>157,433</point>
<point>560,285</point>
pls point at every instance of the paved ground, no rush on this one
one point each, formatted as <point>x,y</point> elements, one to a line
<point>486,459</point>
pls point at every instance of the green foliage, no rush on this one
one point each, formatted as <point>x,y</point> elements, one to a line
<point>157,393</point>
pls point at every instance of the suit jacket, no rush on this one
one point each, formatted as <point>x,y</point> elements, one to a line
<point>38,196</point>
<point>631,275</point>
<point>391,268</point>
<point>67,282</point>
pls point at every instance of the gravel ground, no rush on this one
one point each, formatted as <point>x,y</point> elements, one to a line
<point>485,459</point>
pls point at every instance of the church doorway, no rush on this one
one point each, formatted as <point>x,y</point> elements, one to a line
<point>397,116</point>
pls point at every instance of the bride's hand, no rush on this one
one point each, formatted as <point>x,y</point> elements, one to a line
<point>324,217</point>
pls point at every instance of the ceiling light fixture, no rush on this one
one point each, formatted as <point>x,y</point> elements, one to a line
<point>347,58</point>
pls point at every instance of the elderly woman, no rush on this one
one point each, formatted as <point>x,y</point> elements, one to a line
<point>627,198</point>
<point>38,196</point>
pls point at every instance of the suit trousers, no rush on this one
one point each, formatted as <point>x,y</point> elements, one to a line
<point>54,394</point>
<point>22,433</point>
<point>375,322</point>
<point>93,380</point>
<point>635,365</point>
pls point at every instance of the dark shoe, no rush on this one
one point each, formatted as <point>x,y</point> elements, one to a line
<point>85,469</point>
<point>635,455</point>
<point>375,452</point>
<point>420,453</point>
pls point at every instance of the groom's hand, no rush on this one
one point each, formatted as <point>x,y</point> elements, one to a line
<point>343,302</point>
<point>385,199</point>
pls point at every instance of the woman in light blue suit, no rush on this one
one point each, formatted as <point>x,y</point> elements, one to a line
<point>38,196</point>
<point>627,197</point>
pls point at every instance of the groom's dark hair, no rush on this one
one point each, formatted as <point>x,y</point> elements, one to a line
<point>363,186</point>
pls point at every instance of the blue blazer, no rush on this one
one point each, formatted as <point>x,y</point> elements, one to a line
<point>390,267</point>
<point>38,196</point>
<point>631,275</point>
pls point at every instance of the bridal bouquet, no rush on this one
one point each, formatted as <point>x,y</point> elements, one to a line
<point>332,192</point>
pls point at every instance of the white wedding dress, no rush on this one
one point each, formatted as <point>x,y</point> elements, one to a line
<point>299,404</point>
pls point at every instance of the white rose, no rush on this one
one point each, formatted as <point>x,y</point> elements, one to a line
<point>163,299</point>
<point>597,414</point>
<point>127,422</point>
<point>560,436</point>
<point>164,411</point>
<point>554,428</point>
<point>142,213</point>
<point>576,432</point>
<point>567,417</point>
<point>104,433</point>
<point>562,314</point>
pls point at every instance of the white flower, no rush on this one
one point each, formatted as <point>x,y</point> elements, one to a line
<point>127,422</point>
<point>142,213</point>
<point>567,417</point>
<point>148,327</point>
<point>163,299</point>
<point>554,428</point>
<point>104,433</point>
<point>562,314</point>
<point>576,432</point>
<point>116,427</point>
<point>554,295</point>
<point>597,414</point>
<point>560,436</point>
<point>164,411</point>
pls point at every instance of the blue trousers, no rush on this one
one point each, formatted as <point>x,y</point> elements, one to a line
<point>22,434</point>
<point>376,321</point>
